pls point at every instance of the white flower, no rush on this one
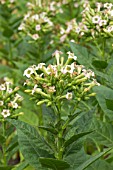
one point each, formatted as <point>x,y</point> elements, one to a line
<point>18,97</point>
<point>88,73</point>
<point>69,95</point>
<point>12,1</point>
<point>71,55</point>
<point>77,30</point>
<point>108,5</point>
<point>35,36</point>
<point>102,22</point>
<point>68,69</point>
<point>21,27</point>
<point>40,65</point>
<point>38,27</point>
<point>35,17</point>
<point>28,72</point>
<point>1,103</point>
<point>5,113</point>
<point>96,19</point>
<point>111,13</point>
<point>110,28</point>
<point>9,90</point>
<point>26,16</point>
<point>13,105</point>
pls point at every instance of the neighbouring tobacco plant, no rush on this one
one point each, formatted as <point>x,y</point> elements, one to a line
<point>10,102</point>
<point>96,25</point>
<point>58,85</point>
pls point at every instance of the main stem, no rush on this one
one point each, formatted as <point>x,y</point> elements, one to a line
<point>4,144</point>
<point>59,138</point>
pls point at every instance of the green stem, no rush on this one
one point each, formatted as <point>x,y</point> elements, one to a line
<point>4,145</point>
<point>101,52</point>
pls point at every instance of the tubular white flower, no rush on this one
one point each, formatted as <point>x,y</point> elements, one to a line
<point>102,22</point>
<point>38,27</point>
<point>14,105</point>
<point>40,65</point>
<point>108,5</point>
<point>71,55</point>
<point>35,36</point>
<point>28,72</point>
<point>5,113</point>
<point>96,19</point>
<point>69,95</point>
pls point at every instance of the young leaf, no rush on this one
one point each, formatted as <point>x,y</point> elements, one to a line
<point>75,138</point>
<point>53,131</point>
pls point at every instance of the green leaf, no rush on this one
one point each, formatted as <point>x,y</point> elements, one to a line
<point>75,138</point>
<point>100,164</point>
<point>53,131</point>
<point>109,104</point>
<point>99,64</point>
<point>81,53</point>
<point>21,166</point>
<point>5,167</point>
<point>2,139</point>
<point>103,133</point>
<point>104,94</point>
<point>92,159</point>
<point>54,164</point>
<point>31,144</point>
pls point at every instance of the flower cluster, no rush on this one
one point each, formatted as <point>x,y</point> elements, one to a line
<point>59,82</point>
<point>36,22</point>
<point>7,1</point>
<point>96,21</point>
<point>10,100</point>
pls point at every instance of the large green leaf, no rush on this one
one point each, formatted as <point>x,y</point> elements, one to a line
<point>100,164</point>
<point>104,96</point>
<point>92,159</point>
<point>103,133</point>
<point>54,164</point>
<point>81,53</point>
<point>31,144</point>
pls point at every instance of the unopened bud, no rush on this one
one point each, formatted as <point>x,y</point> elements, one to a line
<point>41,102</point>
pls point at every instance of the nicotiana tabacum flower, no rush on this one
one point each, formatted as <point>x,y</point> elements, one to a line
<point>59,82</point>
<point>96,22</point>
<point>10,100</point>
<point>36,22</point>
